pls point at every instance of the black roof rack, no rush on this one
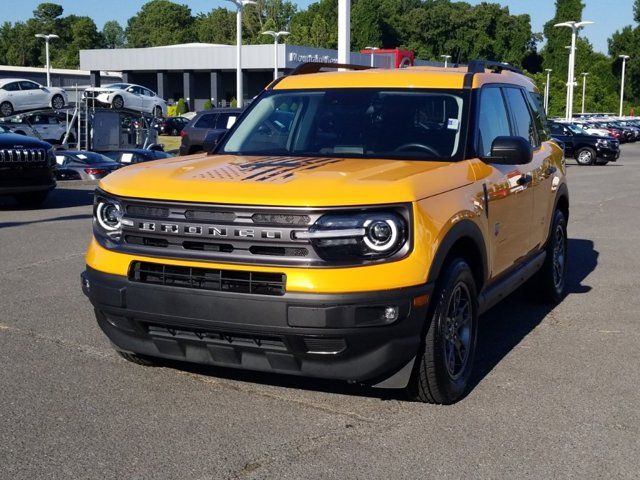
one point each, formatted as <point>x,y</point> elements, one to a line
<point>315,67</point>
<point>479,66</point>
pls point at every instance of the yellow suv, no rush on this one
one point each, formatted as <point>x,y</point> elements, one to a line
<point>352,225</point>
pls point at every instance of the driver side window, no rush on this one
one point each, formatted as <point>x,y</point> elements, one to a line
<point>492,119</point>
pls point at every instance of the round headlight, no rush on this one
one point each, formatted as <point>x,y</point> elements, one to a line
<point>109,215</point>
<point>381,235</point>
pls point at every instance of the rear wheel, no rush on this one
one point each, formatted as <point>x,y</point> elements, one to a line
<point>31,199</point>
<point>548,285</point>
<point>57,102</point>
<point>444,365</point>
<point>6,109</point>
<point>586,156</point>
<point>117,103</point>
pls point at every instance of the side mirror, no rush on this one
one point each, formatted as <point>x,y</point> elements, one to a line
<point>510,151</point>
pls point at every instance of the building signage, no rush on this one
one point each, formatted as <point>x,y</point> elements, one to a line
<point>313,57</point>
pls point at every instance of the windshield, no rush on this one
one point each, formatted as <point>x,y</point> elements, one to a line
<point>117,86</point>
<point>354,123</point>
<point>575,129</point>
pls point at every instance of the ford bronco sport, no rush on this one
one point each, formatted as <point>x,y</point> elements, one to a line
<point>352,225</point>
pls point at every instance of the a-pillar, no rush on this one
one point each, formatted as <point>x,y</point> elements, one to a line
<point>162,84</point>
<point>94,78</point>
<point>188,89</point>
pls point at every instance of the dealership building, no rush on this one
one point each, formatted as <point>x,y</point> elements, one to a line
<point>199,72</point>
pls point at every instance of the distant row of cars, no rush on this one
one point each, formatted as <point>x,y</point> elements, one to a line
<point>595,140</point>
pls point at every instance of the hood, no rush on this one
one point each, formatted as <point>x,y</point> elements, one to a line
<point>13,140</point>
<point>287,181</point>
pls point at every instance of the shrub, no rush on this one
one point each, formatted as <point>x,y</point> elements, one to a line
<point>208,105</point>
<point>182,107</point>
<point>234,103</point>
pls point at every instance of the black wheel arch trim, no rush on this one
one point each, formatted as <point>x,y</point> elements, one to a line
<point>465,229</point>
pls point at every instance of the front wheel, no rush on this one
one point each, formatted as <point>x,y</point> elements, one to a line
<point>57,102</point>
<point>444,365</point>
<point>117,103</point>
<point>586,156</point>
<point>157,112</point>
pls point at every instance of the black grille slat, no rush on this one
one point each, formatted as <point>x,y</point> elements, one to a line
<point>259,283</point>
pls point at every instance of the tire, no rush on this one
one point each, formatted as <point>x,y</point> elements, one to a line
<point>117,103</point>
<point>31,199</point>
<point>6,109</point>
<point>586,156</point>
<point>137,359</point>
<point>443,370</point>
<point>57,102</point>
<point>548,284</point>
<point>157,112</point>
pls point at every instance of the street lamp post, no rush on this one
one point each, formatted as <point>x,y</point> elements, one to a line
<point>624,64</point>
<point>575,27</point>
<point>240,4</point>
<point>372,50</point>
<point>546,90</point>
<point>446,59</point>
<point>344,31</point>
<point>276,36</point>
<point>46,39</point>
<point>584,87</point>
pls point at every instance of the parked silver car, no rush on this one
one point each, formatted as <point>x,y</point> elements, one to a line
<point>83,165</point>
<point>20,95</point>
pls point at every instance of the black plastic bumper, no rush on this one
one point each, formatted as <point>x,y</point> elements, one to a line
<point>608,154</point>
<point>335,336</point>
<point>26,181</point>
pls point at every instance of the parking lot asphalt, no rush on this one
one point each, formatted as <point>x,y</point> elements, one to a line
<point>556,391</point>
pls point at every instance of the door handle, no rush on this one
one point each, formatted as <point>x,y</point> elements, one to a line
<point>551,170</point>
<point>525,180</point>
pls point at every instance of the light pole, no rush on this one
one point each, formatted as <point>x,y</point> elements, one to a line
<point>546,90</point>
<point>584,87</point>
<point>344,31</point>
<point>240,4</point>
<point>46,39</point>
<point>446,59</point>
<point>575,27</point>
<point>624,64</point>
<point>276,36</point>
<point>372,50</point>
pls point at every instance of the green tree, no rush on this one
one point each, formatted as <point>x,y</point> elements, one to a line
<point>160,22</point>
<point>113,34</point>
<point>217,26</point>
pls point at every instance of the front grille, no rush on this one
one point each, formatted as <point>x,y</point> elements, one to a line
<point>22,156</point>
<point>257,283</point>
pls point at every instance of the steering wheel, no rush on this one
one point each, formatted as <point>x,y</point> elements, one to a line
<point>420,146</point>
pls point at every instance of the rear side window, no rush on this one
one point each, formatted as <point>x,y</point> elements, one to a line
<point>539,115</point>
<point>11,87</point>
<point>225,120</point>
<point>523,122</point>
<point>492,119</point>
<point>206,121</point>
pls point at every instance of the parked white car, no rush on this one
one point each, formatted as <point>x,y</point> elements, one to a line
<point>129,96</point>
<point>20,95</point>
<point>50,127</point>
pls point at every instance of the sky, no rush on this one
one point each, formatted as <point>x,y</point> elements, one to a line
<point>609,15</point>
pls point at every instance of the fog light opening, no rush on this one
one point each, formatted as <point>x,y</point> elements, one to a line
<point>391,314</point>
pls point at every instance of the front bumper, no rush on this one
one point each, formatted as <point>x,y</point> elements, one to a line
<point>609,154</point>
<point>26,181</point>
<point>314,335</point>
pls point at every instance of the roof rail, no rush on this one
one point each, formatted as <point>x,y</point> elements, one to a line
<point>479,66</point>
<point>316,67</point>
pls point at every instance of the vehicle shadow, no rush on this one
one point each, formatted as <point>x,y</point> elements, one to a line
<point>500,331</point>
<point>60,197</point>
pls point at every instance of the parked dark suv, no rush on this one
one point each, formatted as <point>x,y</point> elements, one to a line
<point>209,125</point>
<point>585,148</point>
<point>26,168</point>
